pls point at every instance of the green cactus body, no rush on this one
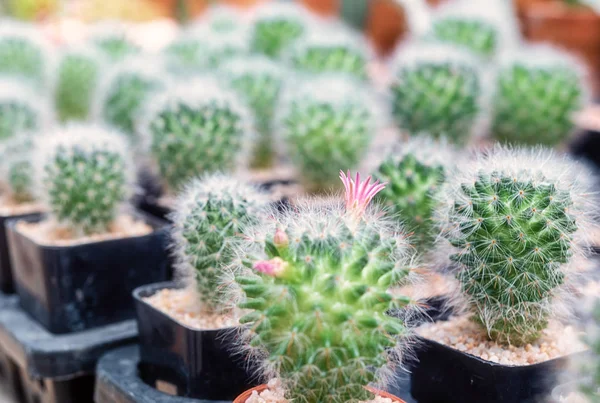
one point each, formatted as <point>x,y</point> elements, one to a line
<point>111,38</point>
<point>77,79</point>
<point>223,19</point>
<point>437,90</point>
<point>277,27</point>
<point>259,80</point>
<point>208,220</point>
<point>477,36</point>
<point>23,54</point>
<point>84,176</point>
<point>317,307</point>
<point>17,168</point>
<point>538,92</point>
<point>327,125</point>
<point>198,128</point>
<point>513,230</point>
<point>21,110</point>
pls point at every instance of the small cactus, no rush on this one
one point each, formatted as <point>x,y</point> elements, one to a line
<point>17,168</point>
<point>194,129</point>
<point>259,80</point>
<point>327,124</point>
<point>515,220</point>
<point>314,284</point>
<point>76,82</point>
<point>207,219</point>
<point>415,173</point>
<point>21,110</point>
<point>82,173</point>
<point>112,39</point>
<point>437,90</point>
<point>539,89</point>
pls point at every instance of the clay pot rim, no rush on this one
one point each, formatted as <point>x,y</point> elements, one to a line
<point>244,396</point>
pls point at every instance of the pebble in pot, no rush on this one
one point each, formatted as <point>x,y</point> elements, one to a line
<point>315,285</point>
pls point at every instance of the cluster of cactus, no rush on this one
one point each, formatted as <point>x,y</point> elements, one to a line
<point>315,283</point>
<point>21,110</point>
<point>415,173</point>
<point>538,91</point>
<point>82,173</point>
<point>326,124</point>
<point>437,90</point>
<point>77,78</point>
<point>112,39</point>
<point>512,221</point>
<point>17,168</point>
<point>259,80</point>
<point>196,128</point>
<point>208,219</point>
<point>23,53</point>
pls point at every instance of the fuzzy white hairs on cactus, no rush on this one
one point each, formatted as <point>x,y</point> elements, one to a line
<point>257,64</point>
<point>20,92</point>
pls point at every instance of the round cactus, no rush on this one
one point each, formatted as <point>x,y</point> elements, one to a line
<point>514,221</point>
<point>112,39</point>
<point>17,168</point>
<point>194,129</point>
<point>539,90</point>
<point>277,27</point>
<point>207,219</point>
<point>82,173</point>
<point>414,173</point>
<point>327,124</point>
<point>259,80</point>
<point>315,285</point>
<point>437,90</point>
<point>76,83</point>
<point>125,91</point>
<point>21,110</point>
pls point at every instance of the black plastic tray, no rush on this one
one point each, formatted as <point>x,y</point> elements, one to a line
<point>72,288</point>
<point>194,363</point>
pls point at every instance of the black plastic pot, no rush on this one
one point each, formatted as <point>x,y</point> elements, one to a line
<point>6,278</point>
<point>192,363</point>
<point>72,288</point>
<point>443,374</point>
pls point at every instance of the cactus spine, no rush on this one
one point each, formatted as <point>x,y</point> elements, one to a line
<point>515,220</point>
<point>23,53</point>
<point>208,219</point>
<point>21,110</point>
<point>539,90</point>
<point>318,296</point>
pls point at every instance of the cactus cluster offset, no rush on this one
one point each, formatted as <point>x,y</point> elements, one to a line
<point>415,172</point>
<point>208,220</point>
<point>276,28</point>
<point>21,110</point>
<point>23,53</point>
<point>259,80</point>
<point>514,220</point>
<point>197,128</point>
<point>539,89</point>
<point>83,175</point>
<point>327,124</point>
<point>317,296</point>
<point>437,90</point>
<point>17,168</point>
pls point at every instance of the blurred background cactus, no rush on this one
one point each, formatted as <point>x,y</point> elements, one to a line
<point>21,110</point>
<point>112,39</point>
<point>16,169</point>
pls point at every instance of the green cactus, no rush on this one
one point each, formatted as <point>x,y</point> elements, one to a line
<point>83,175</point>
<point>76,83</point>
<point>414,174</point>
<point>21,110</point>
<point>317,298</point>
<point>111,38</point>
<point>437,90</point>
<point>208,219</point>
<point>223,19</point>
<point>17,168</point>
<point>539,89</point>
<point>512,220</point>
<point>327,125</point>
<point>194,129</point>
<point>23,53</point>
<point>259,80</point>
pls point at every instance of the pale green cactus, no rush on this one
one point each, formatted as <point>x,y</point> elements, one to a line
<point>21,110</point>
<point>16,168</point>
<point>112,38</point>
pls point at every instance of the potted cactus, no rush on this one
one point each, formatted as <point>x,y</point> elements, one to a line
<point>184,326</point>
<point>314,286</point>
<point>515,222</point>
<point>75,268</point>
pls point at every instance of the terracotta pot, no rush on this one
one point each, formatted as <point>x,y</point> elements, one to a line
<point>244,396</point>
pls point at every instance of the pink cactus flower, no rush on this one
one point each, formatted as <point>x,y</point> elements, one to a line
<point>280,238</point>
<point>359,194</point>
<point>274,267</point>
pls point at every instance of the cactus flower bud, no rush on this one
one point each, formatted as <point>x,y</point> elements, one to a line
<point>281,239</point>
<point>274,267</point>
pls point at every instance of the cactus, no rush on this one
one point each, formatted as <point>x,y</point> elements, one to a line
<point>539,90</point>
<point>17,168</point>
<point>223,19</point>
<point>82,173</point>
<point>194,129</point>
<point>112,39</point>
<point>125,92</point>
<point>515,221</point>
<point>76,83</point>
<point>277,27</point>
<point>207,219</point>
<point>317,297</point>
<point>415,172</point>
<point>21,110</point>
<point>437,90</point>
<point>327,124</point>
<point>259,80</point>
<point>23,53</point>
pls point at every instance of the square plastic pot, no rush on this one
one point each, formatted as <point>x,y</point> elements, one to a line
<point>192,363</point>
<point>72,288</point>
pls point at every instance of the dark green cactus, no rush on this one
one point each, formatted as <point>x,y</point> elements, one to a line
<point>23,53</point>
<point>21,110</point>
